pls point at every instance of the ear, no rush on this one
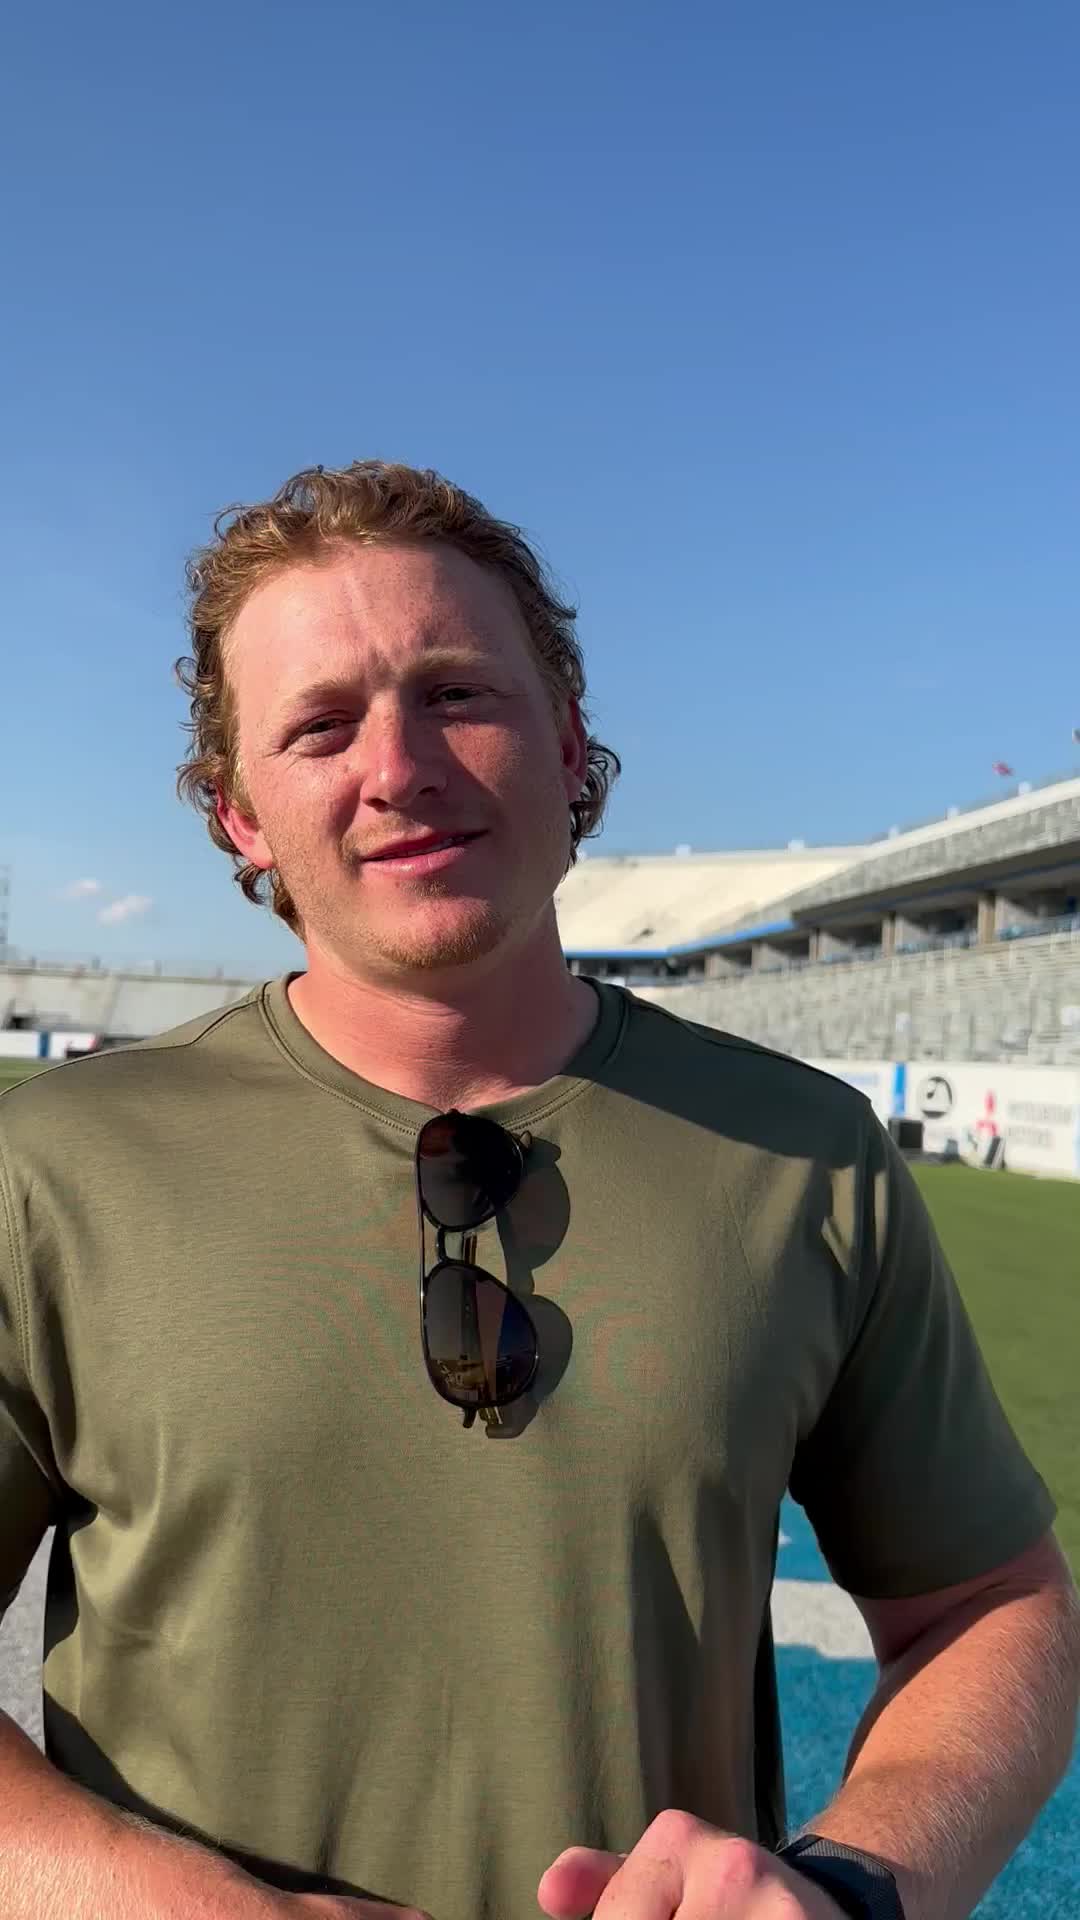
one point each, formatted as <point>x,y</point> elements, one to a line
<point>573,740</point>
<point>243,830</point>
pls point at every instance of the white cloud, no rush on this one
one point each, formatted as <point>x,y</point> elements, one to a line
<point>129,908</point>
<point>81,890</point>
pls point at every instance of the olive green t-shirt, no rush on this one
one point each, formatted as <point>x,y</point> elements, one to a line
<point>296,1610</point>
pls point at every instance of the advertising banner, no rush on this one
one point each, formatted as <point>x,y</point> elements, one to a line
<point>68,1046</point>
<point>1027,1118</point>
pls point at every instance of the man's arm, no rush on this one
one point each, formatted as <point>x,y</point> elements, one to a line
<point>969,1730</point>
<point>966,1736</point>
<point>65,1854</point>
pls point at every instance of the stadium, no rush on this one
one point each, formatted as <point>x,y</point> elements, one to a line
<point>938,969</point>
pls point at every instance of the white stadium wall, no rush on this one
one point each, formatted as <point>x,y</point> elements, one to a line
<point>23,1046</point>
<point>966,1108</point>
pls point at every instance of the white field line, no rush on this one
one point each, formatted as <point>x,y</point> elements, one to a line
<point>814,1613</point>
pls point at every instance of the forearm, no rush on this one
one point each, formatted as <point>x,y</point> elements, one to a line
<point>965,1738</point>
<point>67,1855</point>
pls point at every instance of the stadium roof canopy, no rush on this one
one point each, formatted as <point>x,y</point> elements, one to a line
<point>655,906</point>
<point>1028,833</point>
<point>651,905</point>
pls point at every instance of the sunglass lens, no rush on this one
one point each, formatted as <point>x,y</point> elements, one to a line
<point>468,1169</point>
<point>479,1340</point>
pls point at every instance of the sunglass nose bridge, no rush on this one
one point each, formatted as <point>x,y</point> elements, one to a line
<point>467,1255</point>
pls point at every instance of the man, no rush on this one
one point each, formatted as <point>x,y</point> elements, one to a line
<point>463,1602</point>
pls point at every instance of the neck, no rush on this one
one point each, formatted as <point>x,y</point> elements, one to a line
<point>459,1042</point>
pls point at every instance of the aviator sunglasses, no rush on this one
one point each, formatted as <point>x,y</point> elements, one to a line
<point>480,1345</point>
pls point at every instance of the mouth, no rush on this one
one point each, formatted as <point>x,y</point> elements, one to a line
<point>426,854</point>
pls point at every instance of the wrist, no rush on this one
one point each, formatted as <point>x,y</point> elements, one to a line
<point>861,1884</point>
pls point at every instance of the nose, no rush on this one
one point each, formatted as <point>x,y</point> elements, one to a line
<point>401,758</point>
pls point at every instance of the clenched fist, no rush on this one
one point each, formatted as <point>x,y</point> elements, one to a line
<point>681,1867</point>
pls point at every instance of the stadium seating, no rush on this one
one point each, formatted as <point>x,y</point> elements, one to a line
<point>1014,1001</point>
<point>125,1003</point>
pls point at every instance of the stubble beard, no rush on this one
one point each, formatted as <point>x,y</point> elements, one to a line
<point>418,948</point>
<point>402,942</point>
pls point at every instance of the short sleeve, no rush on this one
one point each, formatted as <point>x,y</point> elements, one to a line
<point>912,1476</point>
<point>30,1488</point>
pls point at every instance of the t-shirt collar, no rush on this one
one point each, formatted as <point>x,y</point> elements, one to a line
<point>305,1054</point>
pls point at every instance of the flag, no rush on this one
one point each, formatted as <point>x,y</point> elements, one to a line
<point>1001,767</point>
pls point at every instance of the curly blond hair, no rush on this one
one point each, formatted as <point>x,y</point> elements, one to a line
<point>319,509</point>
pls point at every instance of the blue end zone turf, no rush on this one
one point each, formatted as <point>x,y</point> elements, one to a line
<point>821,1698</point>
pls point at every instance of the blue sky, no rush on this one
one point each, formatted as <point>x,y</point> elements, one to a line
<point>760,317</point>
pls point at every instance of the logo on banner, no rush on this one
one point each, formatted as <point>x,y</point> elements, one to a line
<point>985,1141</point>
<point>935,1097</point>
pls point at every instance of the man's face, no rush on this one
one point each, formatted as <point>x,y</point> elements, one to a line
<point>407,773</point>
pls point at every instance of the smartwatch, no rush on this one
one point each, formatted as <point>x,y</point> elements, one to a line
<point>861,1884</point>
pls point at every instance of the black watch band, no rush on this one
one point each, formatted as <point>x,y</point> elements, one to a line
<point>862,1886</point>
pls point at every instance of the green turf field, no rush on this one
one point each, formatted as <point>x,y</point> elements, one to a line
<point>12,1071</point>
<point>1014,1243</point>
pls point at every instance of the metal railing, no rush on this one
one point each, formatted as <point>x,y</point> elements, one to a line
<point>15,961</point>
<point>1062,927</point>
<point>73,967</point>
<point>1033,929</point>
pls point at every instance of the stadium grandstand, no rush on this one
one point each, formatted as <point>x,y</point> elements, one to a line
<point>959,938</point>
<point>76,1004</point>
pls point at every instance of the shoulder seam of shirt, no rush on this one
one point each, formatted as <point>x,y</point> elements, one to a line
<point>720,1037</point>
<point>11,1234</point>
<point>213,1021</point>
<point>149,1045</point>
